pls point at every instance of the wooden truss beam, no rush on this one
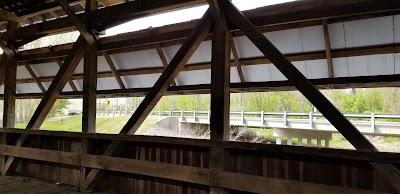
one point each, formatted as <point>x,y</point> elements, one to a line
<point>156,92</point>
<point>328,48</point>
<point>325,83</point>
<point>9,16</point>
<point>33,75</point>
<point>70,82</point>
<point>388,171</point>
<point>78,23</point>
<point>238,64</point>
<point>163,59</point>
<point>114,70</point>
<point>51,96</point>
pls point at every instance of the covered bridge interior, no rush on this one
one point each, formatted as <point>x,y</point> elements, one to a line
<point>302,45</point>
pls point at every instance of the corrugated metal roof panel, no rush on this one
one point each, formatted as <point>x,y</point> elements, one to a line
<point>340,67</point>
<point>396,19</point>
<point>312,38</point>
<point>194,77</point>
<point>256,73</point>
<point>374,31</point>
<point>108,83</point>
<point>397,63</point>
<point>22,73</point>
<point>102,65</point>
<point>336,35</point>
<point>317,69</point>
<point>28,88</point>
<point>45,69</point>
<point>234,75</point>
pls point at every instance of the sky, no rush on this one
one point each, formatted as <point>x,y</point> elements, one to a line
<point>183,16</point>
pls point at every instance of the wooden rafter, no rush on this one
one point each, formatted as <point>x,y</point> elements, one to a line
<point>33,75</point>
<point>237,61</point>
<point>78,23</point>
<point>155,94</point>
<point>9,16</point>
<point>388,171</point>
<point>163,59</point>
<point>328,48</point>
<point>114,70</point>
<point>51,96</point>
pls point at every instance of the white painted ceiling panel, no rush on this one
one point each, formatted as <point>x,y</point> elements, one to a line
<point>276,75</point>
<point>246,48</point>
<point>381,64</point>
<point>312,38</point>
<point>46,85</point>
<point>358,66</point>
<point>121,61</point>
<point>170,52</point>
<point>374,31</point>
<point>79,68</point>
<point>45,69</point>
<point>202,54</point>
<point>147,81</point>
<point>194,77</point>
<point>108,83</point>
<point>256,73</point>
<point>22,73</point>
<point>143,59</point>
<point>130,81</point>
<point>102,65</point>
<point>397,63</point>
<point>79,84</point>
<point>2,89</point>
<point>234,75</point>
<point>287,41</point>
<point>317,69</point>
<point>28,88</point>
<point>396,19</point>
<point>340,67</point>
<point>301,66</point>
<point>67,88</point>
<point>336,35</point>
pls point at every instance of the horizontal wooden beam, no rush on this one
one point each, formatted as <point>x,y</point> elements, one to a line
<point>270,16</point>
<point>203,176</point>
<point>283,149</point>
<point>325,83</point>
<point>338,53</point>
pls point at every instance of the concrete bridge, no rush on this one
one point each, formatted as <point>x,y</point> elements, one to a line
<point>369,124</point>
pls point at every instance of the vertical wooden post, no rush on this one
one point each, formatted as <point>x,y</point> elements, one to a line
<point>89,93</point>
<point>9,101</point>
<point>220,93</point>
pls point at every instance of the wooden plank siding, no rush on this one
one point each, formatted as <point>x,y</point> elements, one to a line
<point>248,167</point>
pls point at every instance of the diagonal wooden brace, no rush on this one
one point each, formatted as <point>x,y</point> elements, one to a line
<point>155,94</point>
<point>330,112</point>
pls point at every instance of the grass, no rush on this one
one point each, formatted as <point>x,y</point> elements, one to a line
<point>112,125</point>
<point>109,125</point>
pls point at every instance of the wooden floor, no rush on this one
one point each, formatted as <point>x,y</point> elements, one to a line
<point>20,185</point>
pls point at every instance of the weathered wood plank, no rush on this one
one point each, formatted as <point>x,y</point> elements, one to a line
<point>163,59</point>
<point>328,48</point>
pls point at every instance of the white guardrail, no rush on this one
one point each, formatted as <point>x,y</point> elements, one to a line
<point>382,124</point>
